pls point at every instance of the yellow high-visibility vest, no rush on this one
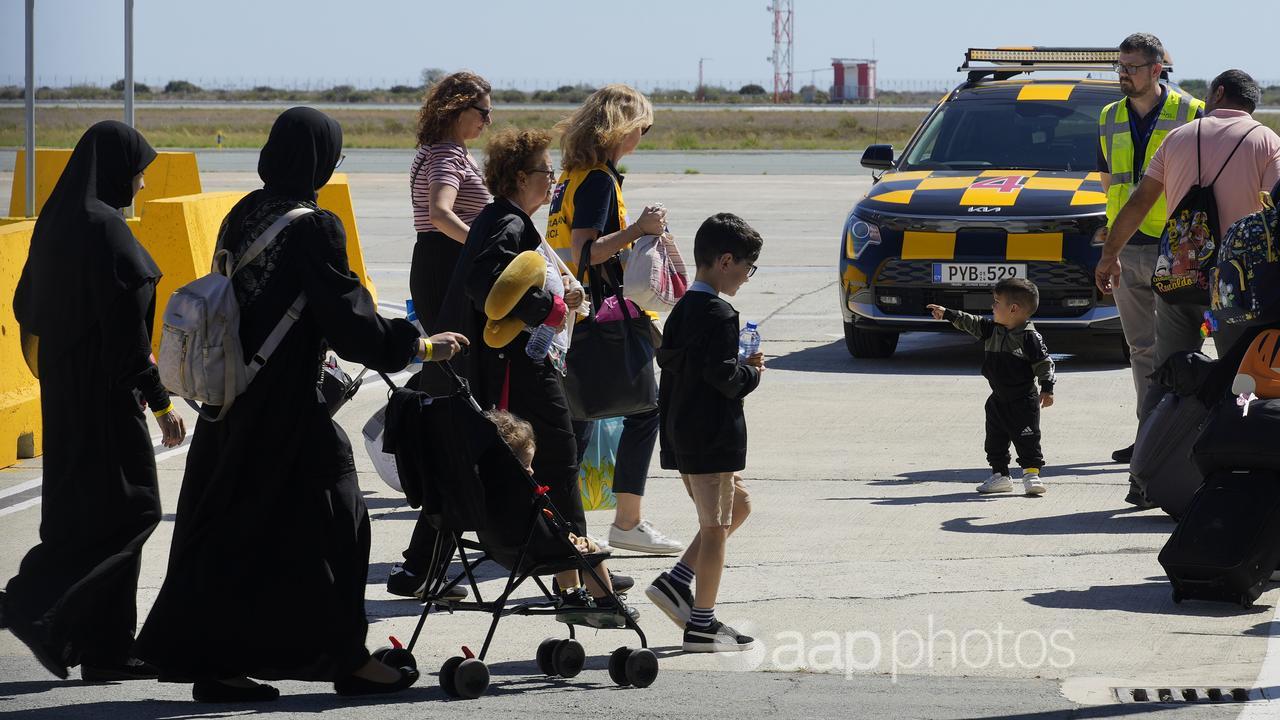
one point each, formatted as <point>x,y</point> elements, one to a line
<point>1117,147</point>
<point>560,214</point>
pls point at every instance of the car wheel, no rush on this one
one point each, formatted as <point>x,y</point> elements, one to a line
<point>867,344</point>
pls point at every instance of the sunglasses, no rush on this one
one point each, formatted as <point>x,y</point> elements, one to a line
<point>645,130</point>
<point>1126,69</point>
<point>341,158</point>
<point>484,112</point>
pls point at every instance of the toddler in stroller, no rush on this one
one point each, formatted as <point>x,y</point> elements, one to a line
<point>470,473</point>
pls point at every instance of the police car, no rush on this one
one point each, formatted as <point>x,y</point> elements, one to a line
<point>1000,180</point>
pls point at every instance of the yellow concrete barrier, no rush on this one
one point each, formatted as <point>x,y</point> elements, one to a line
<point>170,175</point>
<point>20,432</point>
<point>336,198</point>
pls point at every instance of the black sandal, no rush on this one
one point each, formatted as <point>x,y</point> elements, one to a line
<point>355,685</point>
<point>214,691</point>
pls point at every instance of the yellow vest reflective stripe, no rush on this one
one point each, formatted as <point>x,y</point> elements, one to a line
<point>560,214</point>
<point>1117,147</point>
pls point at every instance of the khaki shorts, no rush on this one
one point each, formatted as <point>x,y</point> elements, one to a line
<point>714,495</point>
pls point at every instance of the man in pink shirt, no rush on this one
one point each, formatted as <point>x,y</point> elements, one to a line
<point>1254,167</point>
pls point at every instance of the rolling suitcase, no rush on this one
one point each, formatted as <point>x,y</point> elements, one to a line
<point>1228,542</point>
<point>1162,464</point>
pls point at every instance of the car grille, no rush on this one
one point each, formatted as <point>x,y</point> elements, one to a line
<point>911,283</point>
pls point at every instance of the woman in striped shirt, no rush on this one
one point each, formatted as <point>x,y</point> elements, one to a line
<point>446,186</point>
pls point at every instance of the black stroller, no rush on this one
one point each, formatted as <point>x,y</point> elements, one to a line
<point>452,462</point>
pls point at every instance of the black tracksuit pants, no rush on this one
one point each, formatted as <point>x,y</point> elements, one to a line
<point>1014,420</point>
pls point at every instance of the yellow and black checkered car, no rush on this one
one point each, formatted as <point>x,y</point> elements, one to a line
<point>1000,180</point>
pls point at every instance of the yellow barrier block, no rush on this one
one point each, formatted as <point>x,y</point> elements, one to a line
<point>336,198</point>
<point>20,431</point>
<point>7,220</point>
<point>171,174</point>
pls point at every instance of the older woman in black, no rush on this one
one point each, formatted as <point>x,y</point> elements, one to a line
<point>88,292</point>
<point>519,173</point>
<point>271,545</point>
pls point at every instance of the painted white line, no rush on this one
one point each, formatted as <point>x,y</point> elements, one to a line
<point>20,506</point>
<point>21,488</point>
<point>1268,676</point>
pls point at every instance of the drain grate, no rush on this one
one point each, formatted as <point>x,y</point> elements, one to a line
<point>1185,695</point>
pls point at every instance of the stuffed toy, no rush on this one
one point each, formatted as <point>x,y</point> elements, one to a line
<point>527,271</point>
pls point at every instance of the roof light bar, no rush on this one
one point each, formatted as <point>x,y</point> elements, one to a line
<point>1042,55</point>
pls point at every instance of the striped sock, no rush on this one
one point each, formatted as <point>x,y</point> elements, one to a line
<point>682,574</point>
<point>701,617</point>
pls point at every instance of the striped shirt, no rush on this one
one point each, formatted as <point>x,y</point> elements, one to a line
<point>449,164</point>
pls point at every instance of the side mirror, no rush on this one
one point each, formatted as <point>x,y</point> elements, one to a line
<point>878,157</point>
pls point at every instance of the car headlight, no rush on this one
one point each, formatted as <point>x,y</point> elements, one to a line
<point>859,235</point>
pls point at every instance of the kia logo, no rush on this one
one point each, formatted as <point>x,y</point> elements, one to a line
<point>985,209</point>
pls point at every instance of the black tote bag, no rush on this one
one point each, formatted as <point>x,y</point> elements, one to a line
<point>609,368</point>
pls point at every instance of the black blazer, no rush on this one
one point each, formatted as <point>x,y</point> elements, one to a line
<point>703,383</point>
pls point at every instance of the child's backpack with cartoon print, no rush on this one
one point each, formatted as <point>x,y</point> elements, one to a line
<point>1245,283</point>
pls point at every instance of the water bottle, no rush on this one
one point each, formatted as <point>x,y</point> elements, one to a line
<point>412,316</point>
<point>748,341</point>
<point>540,342</point>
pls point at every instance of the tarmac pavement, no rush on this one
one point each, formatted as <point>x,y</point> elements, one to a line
<point>876,580</point>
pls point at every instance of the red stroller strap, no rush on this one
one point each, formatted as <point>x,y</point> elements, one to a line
<point>503,400</point>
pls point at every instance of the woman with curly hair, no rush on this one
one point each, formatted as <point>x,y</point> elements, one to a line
<point>588,209</point>
<point>446,185</point>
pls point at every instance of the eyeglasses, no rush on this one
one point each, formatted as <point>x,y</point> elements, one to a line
<point>644,130</point>
<point>1126,69</point>
<point>752,269</point>
<point>551,174</point>
<point>338,164</point>
<point>484,112</point>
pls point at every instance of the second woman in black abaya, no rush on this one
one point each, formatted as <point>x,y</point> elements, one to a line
<point>88,293</point>
<point>270,550</point>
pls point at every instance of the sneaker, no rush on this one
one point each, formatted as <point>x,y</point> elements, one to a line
<point>620,583</point>
<point>644,538</point>
<point>716,637</point>
<point>131,669</point>
<point>618,619</point>
<point>1032,485</point>
<point>671,598</point>
<point>404,585</point>
<point>574,604</point>
<point>997,483</point>
<point>1123,455</point>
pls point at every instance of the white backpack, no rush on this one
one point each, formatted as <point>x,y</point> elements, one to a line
<point>200,354</point>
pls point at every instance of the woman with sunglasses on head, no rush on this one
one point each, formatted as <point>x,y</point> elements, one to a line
<point>587,207</point>
<point>446,186</point>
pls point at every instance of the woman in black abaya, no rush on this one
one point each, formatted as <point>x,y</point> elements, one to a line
<point>270,549</point>
<point>88,293</point>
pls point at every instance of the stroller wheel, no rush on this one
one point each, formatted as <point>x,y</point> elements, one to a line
<point>397,658</point>
<point>546,652</point>
<point>471,679</point>
<point>642,667</point>
<point>448,675</point>
<point>568,658</point>
<point>618,666</point>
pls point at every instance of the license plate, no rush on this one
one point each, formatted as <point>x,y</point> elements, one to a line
<point>976,273</point>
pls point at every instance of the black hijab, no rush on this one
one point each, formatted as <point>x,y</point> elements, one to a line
<point>83,255</point>
<point>301,153</point>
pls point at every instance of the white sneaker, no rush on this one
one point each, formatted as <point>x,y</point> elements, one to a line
<point>1031,484</point>
<point>996,484</point>
<point>644,538</point>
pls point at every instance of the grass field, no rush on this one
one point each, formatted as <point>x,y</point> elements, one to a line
<point>376,128</point>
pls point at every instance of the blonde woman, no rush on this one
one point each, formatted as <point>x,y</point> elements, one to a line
<point>587,207</point>
<point>446,185</point>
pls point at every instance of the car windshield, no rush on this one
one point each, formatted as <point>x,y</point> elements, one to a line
<point>976,132</point>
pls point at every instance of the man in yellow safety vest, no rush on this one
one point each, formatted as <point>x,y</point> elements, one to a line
<point>1129,133</point>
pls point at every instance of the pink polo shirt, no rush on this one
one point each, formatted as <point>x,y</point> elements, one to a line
<point>1254,167</point>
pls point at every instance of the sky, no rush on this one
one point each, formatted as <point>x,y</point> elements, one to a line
<point>657,43</point>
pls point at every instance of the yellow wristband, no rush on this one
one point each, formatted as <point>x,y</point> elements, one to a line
<point>162,413</point>
<point>431,350</point>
